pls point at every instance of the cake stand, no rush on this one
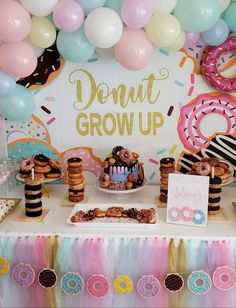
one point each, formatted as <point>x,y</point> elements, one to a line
<point>45,180</point>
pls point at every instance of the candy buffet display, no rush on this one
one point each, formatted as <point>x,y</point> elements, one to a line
<point>75,179</point>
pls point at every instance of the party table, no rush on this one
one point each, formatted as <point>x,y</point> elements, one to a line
<point>129,256</point>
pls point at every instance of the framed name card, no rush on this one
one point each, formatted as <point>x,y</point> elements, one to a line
<point>187,202</point>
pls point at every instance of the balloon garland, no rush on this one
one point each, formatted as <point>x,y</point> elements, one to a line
<point>27,27</point>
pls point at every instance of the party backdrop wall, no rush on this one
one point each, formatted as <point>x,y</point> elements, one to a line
<point>165,109</point>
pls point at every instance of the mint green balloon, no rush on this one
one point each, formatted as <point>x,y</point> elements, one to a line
<point>114,5</point>
<point>197,15</point>
<point>74,46</point>
<point>19,105</point>
<point>230,16</point>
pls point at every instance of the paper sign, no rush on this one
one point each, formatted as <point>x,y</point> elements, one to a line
<point>187,202</point>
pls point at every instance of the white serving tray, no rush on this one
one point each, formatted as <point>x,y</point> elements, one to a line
<point>111,221</point>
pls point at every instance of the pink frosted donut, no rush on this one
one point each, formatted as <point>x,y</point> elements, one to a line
<point>104,180</point>
<point>148,286</point>
<point>210,70</point>
<point>27,164</point>
<point>173,214</point>
<point>54,163</point>
<point>203,168</point>
<point>97,285</point>
<point>224,278</point>
<point>23,274</point>
<point>186,213</point>
<point>191,115</point>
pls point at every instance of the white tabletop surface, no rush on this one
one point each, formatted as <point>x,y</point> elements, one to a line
<point>55,222</point>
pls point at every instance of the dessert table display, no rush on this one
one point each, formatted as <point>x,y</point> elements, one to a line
<point>54,264</point>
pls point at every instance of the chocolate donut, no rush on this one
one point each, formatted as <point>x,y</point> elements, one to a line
<point>47,278</point>
<point>173,282</point>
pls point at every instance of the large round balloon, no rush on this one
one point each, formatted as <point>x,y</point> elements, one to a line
<point>74,46</point>
<point>136,13</point>
<point>230,16</point>
<point>39,7</point>
<point>90,5</point>
<point>114,5</point>
<point>68,15</point>
<point>18,59</point>
<point>224,4</point>
<point>19,105</point>
<point>15,21</point>
<point>191,39</point>
<point>163,29</point>
<point>164,5</point>
<point>42,33</point>
<point>179,42</point>
<point>216,35</point>
<point>7,84</point>
<point>197,15</point>
<point>103,27</point>
<point>134,50</point>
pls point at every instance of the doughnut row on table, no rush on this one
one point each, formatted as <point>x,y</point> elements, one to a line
<point>49,168</point>
<point>75,179</point>
<point>5,207</point>
<point>167,166</point>
<point>214,195</point>
<point>33,195</point>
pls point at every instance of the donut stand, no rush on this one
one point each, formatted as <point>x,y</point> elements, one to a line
<point>117,153</point>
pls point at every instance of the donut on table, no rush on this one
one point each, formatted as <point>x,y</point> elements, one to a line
<point>148,286</point>
<point>191,115</point>
<point>224,278</point>
<point>210,70</point>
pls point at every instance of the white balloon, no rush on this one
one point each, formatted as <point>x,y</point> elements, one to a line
<point>164,5</point>
<point>39,7</point>
<point>224,4</point>
<point>103,27</point>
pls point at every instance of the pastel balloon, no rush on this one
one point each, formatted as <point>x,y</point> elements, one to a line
<point>114,5</point>
<point>90,5</point>
<point>39,7</point>
<point>216,35</point>
<point>134,50</point>
<point>7,84</point>
<point>15,21</point>
<point>105,53</point>
<point>37,50</point>
<point>18,106</point>
<point>197,15</point>
<point>18,59</point>
<point>224,4</point>
<point>103,27</point>
<point>191,39</point>
<point>230,16</point>
<point>68,15</point>
<point>179,42</point>
<point>164,5</point>
<point>42,32</point>
<point>136,13</point>
<point>163,29</point>
<point>74,46</point>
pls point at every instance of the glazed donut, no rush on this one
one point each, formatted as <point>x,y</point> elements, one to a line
<point>78,181</point>
<point>23,274</point>
<point>199,282</point>
<point>126,156</point>
<point>219,171</point>
<point>4,266</point>
<point>97,285</point>
<point>173,214</point>
<point>72,283</point>
<point>199,217</point>
<point>27,164</point>
<point>203,168</point>
<point>41,160</point>
<point>223,165</point>
<point>148,286</point>
<point>55,164</point>
<point>186,213</point>
<point>224,278</point>
<point>75,170</point>
<point>173,282</point>
<point>210,69</point>
<point>191,115</point>
<point>104,180</point>
<point>53,174</point>
<point>75,175</point>
<point>74,162</point>
<point>42,169</point>
<point>123,284</point>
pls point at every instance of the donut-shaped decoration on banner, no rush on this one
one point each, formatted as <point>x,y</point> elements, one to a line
<point>97,285</point>
<point>191,115</point>
<point>210,70</point>
<point>72,283</point>
<point>199,282</point>
<point>4,266</point>
<point>224,278</point>
<point>23,274</point>
<point>148,286</point>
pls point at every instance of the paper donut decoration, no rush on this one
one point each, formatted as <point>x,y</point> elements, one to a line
<point>72,283</point>
<point>97,285</point>
<point>23,274</point>
<point>210,70</point>
<point>199,282</point>
<point>4,266</point>
<point>224,278</point>
<point>148,286</point>
<point>192,114</point>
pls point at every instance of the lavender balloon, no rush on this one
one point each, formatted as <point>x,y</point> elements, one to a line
<point>191,39</point>
<point>90,5</point>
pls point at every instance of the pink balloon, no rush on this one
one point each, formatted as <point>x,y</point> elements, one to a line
<point>134,50</point>
<point>68,15</point>
<point>18,59</point>
<point>191,39</point>
<point>15,21</point>
<point>136,13</point>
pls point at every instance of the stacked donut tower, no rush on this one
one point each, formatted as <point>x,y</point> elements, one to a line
<point>33,195</point>
<point>167,166</point>
<point>75,179</point>
<point>214,194</point>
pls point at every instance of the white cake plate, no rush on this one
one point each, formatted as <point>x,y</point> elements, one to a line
<point>45,180</point>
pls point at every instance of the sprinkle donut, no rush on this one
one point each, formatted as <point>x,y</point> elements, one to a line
<point>186,213</point>
<point>23,274</point>
<point>72,283</point>
<point>173,282</point>
<point>199,282</point>
<point>210,70</point>
<point>199,217</point>
<point>224,278</point>
<point>191,115</point>
<point>123,284</point>
<point>202,168</point>
<point>27,164</point>
<point>97,285</point>
<point>173,214</point>
<point>4,266</point>
<point>47,278</point>
<point>148,286</point>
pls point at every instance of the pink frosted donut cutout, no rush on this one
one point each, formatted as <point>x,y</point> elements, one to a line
<point>97,285</point>
<point>220,282</point>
